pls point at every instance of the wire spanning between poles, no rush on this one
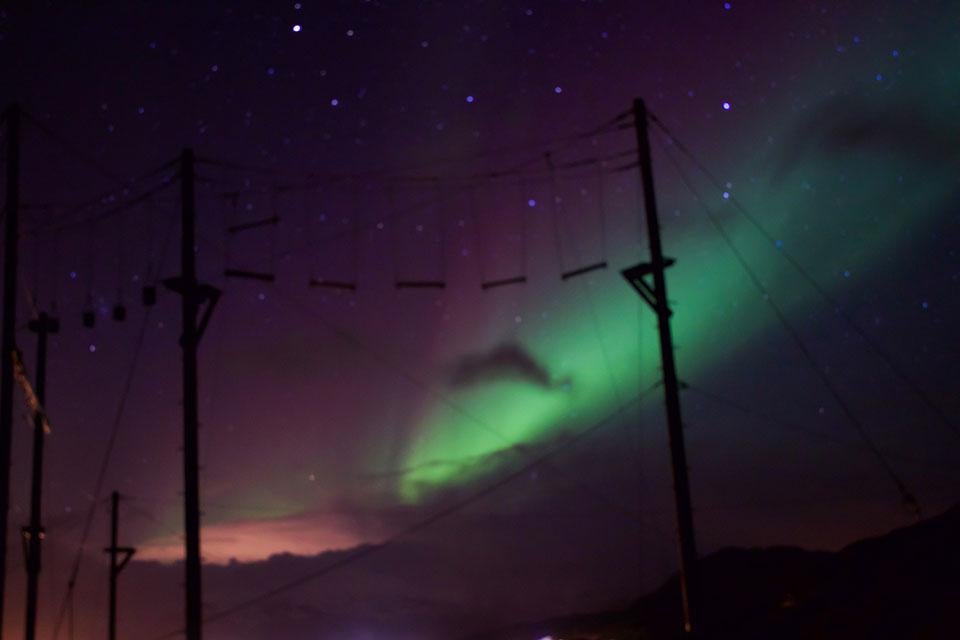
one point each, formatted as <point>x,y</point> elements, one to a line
<point>376,354</point>
<point>106,214</point>
<point>908,497</point>
<point>871,342</point>
<point>306,183</point>
<point>101,474</point>
<point>444,200</point>
<point>313,179</point>
<point>787,425</point>
<point>77,152</point>
<point>111,442</point>
<point>437,516</point>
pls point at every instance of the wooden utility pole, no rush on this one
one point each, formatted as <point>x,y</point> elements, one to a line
<point>11,212</point>
<point>124,553</point>
<point>33,533</point>
<point>193,294</point>
<point>655,295</point>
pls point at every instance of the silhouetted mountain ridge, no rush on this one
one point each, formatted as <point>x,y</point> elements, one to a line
<point>903,584</point>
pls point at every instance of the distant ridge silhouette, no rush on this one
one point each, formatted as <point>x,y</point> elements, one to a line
<point>903,584</point>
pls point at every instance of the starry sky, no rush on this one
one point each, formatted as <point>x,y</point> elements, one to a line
<point>806,161</point>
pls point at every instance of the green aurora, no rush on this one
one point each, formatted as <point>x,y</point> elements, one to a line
<point>838,184</point>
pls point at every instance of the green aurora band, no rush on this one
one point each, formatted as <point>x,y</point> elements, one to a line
<point>839,207</point>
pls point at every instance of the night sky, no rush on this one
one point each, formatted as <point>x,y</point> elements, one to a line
<point>406,140</point>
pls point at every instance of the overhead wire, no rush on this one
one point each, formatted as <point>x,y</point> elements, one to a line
<point>314,178</point>
<point>104,465</point>
<point>888,358</point>
<point>786,425</point>
<point>108,452</point>
<point>103,199</point>
<point>74,150</point>
<point>401,213</point>
<point>442,513</point>
<point>107,213</point>
<point>908,497</point>
<point>399,369</point>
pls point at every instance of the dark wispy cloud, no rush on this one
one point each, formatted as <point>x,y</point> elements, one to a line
<point>843,125</point>
<point>505,362</point>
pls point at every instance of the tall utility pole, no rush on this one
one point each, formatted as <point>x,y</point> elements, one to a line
<point>115,567</point>
<point>33,533</point>
<point>11,211</point>
<point>193,294</point>
<point>655,295</point>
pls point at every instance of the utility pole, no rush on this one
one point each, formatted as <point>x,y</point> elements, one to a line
<point>11,211</point>
<point>193,294</point>
<point>115,567</point>
<point>33,534</point>
<point>655,295</point>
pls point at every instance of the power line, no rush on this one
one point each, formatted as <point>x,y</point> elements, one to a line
<point>872,343</point>
<point>74,150</point>
<point>377,355</point>
<point>909,499</point>
<point>793,427</point>
<point>450,196</point>
<point>557,145</point>
<point>108,213</point>
<point>105,462</point>
<point>366,551</point>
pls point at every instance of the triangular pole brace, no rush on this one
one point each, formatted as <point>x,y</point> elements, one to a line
<point>204,293</point>
<point>127,553</point>
<point>637,277</point>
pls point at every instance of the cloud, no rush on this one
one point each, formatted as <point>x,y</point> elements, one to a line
<point>843,125</point>
<point>505,362</point>
<point>252,540</point>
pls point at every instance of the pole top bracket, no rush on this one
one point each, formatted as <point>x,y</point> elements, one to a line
<point>637,277</point>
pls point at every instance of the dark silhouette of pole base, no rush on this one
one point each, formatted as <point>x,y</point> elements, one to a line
<point>8,341</point>
<point>33,533</point>
<point>655,295</point>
